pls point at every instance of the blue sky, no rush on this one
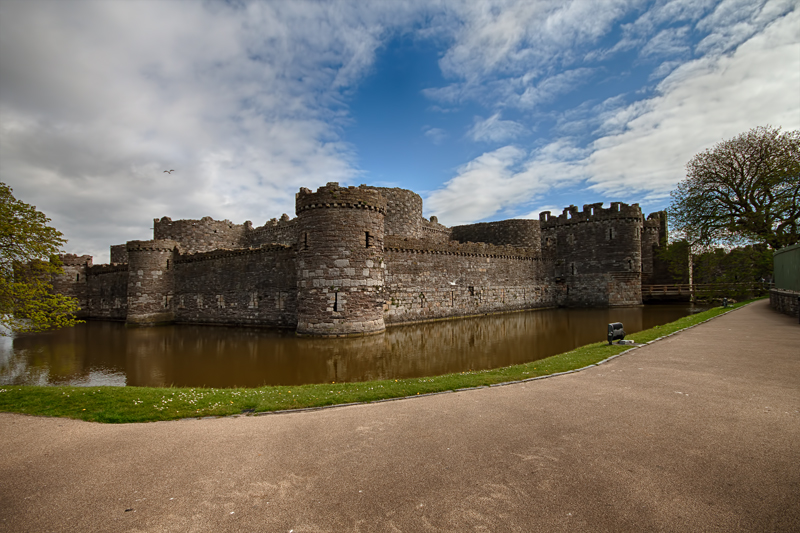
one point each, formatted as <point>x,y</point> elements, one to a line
<point>488,109</point>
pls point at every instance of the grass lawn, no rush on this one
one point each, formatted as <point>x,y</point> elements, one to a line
<point>147,404</point>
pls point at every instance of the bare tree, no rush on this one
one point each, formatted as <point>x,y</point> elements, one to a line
<point>746,189</point>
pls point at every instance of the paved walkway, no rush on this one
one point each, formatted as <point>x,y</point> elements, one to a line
<point>697,432</point>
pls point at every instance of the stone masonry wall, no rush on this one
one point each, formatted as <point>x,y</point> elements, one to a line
<point>434,232</point>
<point>248,286</point>
<point>403,212</point>
<point>107,292</point>
<point>72,282</point>
<point>425,281</point>
<point>654,232</point>
<point>340,260</point>
<point>119,253</point>
<point>515,232</point>
<point>201,235</point>
<point>785,301</point>
<point>598,253</point>
<point>283,231</point>
<point>151,265</point>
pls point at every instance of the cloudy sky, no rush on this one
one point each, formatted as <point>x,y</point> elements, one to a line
<point>488,109</point>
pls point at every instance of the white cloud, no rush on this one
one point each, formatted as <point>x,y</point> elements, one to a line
<point>493,129</point>
<point>436,135</point>
<point>641,148</point>
<point>243,100</point>
<point>699,104</point>
<point>505,179</point>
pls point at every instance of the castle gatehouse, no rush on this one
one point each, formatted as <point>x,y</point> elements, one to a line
<point>357,259</point>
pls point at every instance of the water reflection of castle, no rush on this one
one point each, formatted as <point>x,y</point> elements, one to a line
<point>109,353</point>
<point>358,258</point>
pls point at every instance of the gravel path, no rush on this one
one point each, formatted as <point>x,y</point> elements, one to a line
<point>697,432</point>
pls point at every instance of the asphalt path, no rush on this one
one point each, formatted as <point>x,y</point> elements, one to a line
<point>699,431</point>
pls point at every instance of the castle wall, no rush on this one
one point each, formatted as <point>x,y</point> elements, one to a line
<point>598,253</point>
<point>654,233</point>
<point>515,232</point>
<point>358,258</point>
<point>201,235</point>
<point>434,232</point>
<point>283,231</point>
<point>72,282</point>
<point>403,212</point>
<point>119,253</point>
<point>151,267</point>
<point>107,292</point>
<point>246,286</point>
<point>340,260</point>
<point>425,281</point>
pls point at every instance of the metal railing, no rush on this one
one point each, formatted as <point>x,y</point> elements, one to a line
<point>681,289</point>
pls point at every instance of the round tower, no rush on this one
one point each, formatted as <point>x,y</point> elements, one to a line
<point>340,261</point>
<point>151,267</point>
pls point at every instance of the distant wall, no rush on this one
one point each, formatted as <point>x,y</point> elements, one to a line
<point>515,232</point>
<point>403,212</point>
<point>425,281</point>
<point>72,282</point>
<point>201,235</point>
<point>119,253</point>
<point>107,292</point>
<point>237,287</point>
<point>435,232</point>
<point>283,231</point>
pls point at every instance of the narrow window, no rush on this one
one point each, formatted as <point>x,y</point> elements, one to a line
<point>366,239</point>
<point>305,241</point>
<point>336,302</point>
<point>167,264</point>
<point>572,266</point>
<point>77,277</point>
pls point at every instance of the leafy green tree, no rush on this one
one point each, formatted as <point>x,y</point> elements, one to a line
<point>744,190</point>
<point>28,262</point>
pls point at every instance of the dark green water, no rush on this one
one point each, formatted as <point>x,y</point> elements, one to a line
<point>108,353</point>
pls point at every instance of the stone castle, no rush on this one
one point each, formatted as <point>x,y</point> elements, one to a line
<point>356,259</point>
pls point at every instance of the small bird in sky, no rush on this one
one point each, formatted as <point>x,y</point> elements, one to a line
<point>169,171</point>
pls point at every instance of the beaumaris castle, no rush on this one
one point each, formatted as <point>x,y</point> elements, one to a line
<point>357,259</point>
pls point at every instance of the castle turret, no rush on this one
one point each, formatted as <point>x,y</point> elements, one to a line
<point>654,234</point>
<point>72,282</point>
<point>151,267</point>
<point>340,267</point>
<point>597,252</point>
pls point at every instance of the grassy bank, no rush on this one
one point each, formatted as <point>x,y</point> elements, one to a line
<point>146,404</point>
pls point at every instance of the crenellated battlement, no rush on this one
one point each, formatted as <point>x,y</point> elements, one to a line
<point>200,235</point>
<point>75,260</point>
<point>358,258</point>
<point>157,245</point>
<point>333,196</point>
<point>591,213</point>
<point>655,221</point>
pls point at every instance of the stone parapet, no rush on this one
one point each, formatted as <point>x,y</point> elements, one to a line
<point>333,196</point>
<point>785,301</point>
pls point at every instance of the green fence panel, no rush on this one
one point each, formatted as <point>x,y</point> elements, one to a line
<point>787,268</point>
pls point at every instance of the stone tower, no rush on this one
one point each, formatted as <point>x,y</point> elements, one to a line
<point>73,281</point>
<point>597,252</point>
<point>151,267</point>
<point>340,268</point>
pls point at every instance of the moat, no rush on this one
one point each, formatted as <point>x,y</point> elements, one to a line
<point>109,353</point>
